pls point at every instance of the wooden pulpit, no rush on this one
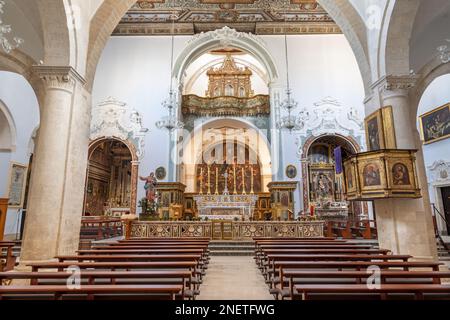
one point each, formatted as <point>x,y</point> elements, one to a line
<point>3,211</point>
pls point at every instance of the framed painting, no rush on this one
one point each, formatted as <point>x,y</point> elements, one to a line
<point>435,125</point>
<point>291,171</point>
<point>350,176</point>
<point>390,141</point>
<point>17,184</point>
<point>374,131</point>
<point>160,173</point>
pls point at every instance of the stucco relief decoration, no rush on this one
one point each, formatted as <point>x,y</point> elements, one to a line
<point>328,116</point>
<point>112,118</point>
<point>225,35</point>
<point>439,171</point>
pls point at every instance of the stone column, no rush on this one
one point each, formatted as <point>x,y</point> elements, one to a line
<point>275,92</point>
<point>56,192</point>
<point>134,183</point>
<point>405,226</point>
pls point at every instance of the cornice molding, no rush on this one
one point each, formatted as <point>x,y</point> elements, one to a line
<point>59,77</point>
<point>395,82</point>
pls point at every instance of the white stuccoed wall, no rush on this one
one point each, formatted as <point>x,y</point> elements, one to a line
<point>135,70</point>
<point>19,97</point>
<point>436,95</point>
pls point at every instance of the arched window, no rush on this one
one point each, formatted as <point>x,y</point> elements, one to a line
<point>216,92</point>
<point>229,90</point>
<point>241,92</point>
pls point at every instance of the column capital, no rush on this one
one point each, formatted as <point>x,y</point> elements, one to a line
<point>395,85</point>
<point>59,77</point>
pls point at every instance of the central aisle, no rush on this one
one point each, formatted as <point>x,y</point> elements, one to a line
<point>233,278</point>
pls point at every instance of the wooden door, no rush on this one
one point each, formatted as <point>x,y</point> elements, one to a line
<point>446,202</point>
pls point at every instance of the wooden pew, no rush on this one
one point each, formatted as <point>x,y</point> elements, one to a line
<point>363,229</point>
<point>100,228</point>
<point>90,292</point>
<point>259,251</point>
<point>8,260</point>
<point>418,290</point>
<point>204,257</point>
<point>121,265</point>
<point>178,277</point>
<point>107,250</point>
<point>294,277</point>
<point>61,266</point>
<point>131,257</point>
<point>270,267</point>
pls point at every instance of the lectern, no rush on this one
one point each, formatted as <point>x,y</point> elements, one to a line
<point>3,211</point>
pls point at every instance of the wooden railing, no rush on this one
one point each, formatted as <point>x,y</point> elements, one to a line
<point>239,230</point>
<point>99,228</point>
<point>349,229</point>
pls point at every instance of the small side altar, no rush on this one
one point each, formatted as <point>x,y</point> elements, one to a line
<point>226,207</point>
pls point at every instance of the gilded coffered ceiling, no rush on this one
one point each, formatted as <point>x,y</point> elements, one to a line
<point>154,17</point>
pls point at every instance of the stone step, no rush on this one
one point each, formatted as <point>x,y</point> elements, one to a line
<point>231,253</point>
<point>242,248</point>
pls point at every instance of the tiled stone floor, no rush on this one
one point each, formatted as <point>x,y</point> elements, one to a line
<point>233,278</point>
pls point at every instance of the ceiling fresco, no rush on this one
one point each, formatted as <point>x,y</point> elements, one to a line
<point>264,17</point>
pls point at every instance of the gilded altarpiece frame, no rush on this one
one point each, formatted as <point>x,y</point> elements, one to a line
<point>134,168</point>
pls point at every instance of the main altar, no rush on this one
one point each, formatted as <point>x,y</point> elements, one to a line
<point>226,207</point>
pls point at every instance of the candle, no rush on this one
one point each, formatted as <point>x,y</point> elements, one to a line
<point>243,181</point>
<point>251,170</point>
<point>217,180</point>
<point>201,180</point>
<point>234,178</point>
<point>209,179</point>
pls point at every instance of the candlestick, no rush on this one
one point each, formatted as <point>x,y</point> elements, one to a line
<point>201,180</point>
<point>217,181</point>
<point>251,180</point>
<point>234,179</point>
<point>209,179</point>
<point>243,181</point>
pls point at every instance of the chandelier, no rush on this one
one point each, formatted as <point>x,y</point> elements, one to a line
<point>289,122</point>
<point>5,29</point>
<point>444,53</point>
<point>171,122</point>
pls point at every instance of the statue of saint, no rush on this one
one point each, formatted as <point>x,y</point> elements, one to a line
<point>150,184</point>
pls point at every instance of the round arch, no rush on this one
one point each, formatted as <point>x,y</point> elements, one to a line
<point>134,166</point>
<point>205,42</point>
<point>430,72</point>
<point>8,133</point>
<point>349,140</point>
<point>193,148</point>
<point>395,37</point>
<point>307,146</point>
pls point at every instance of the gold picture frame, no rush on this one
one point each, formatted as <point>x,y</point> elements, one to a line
<point>374,131</point>
<point>16,185</point>
<point>390,140</point>
<point>380,130</point>
<point>441,117</point>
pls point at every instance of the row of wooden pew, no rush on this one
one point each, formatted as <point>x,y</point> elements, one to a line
<point>126,269</point>
<point>349,229</point>
<point>326,268</point>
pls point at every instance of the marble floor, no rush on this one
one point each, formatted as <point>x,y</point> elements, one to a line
<point>233,278</point>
